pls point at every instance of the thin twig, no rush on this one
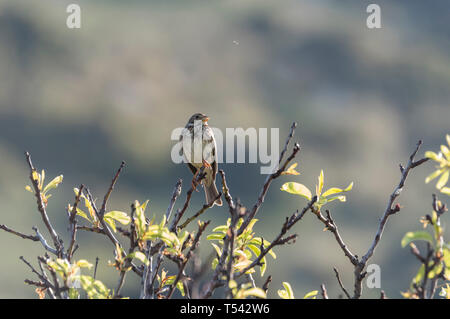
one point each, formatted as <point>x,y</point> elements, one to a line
<point>340,283</point>
<point>332,227</point>
<point>73,223</point>
<point>176,192</point>
<point>201,229</point>
<point>44,242</point>
<point>41,207</point>
<point>323,291</point>
<point>279,240</point>
<point>390,210</point>
<point>269,180</point>
<point>199,213</point>
<point>180,213</point>
<point>9,230</point>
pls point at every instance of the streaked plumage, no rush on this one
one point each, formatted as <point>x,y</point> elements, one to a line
<point>206,135</point>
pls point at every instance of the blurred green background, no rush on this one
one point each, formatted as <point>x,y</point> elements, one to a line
<point>82,100</point>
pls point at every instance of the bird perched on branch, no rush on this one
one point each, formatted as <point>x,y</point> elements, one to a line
<point>199,150</point>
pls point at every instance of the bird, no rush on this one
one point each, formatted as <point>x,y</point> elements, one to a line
<point>196,130</point>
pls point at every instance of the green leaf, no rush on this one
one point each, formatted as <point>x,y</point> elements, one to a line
<point>42,179</point>
<point>320,186</point>
<point>311,294</point>
<point>121,217</point>
<point>332,191</point>
<point>110,222</point>
<point>445,190</point>
<point>82,214</point>
<point>251,224</point>
<point>256,251</point>
<point>214,263</point>
<point>139,256</point>
<point>341,198</point>
<point>255,292</point>
<point>73,293</point>
<point>53,184</point>
<point>263,266</point>
<point>180,287</point>
<point>349,187</point>
<point>418,235</point>
<point>433,175</point>
<point>443,179</point>
<point>215,236</point>
<point>297,189</point>
<point>217,249</point>
<point>257,242</point>
<point>94,288</point>
<point>222,229</point>
<point>291,170</point>
<point>82,263</point>
<point>432,155</point>
<point>140,218</point>
<point>287,293</point>
<point>420,274</point>
<point>446,152</point>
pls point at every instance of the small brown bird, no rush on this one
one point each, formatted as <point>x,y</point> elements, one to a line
<point>197,131</point>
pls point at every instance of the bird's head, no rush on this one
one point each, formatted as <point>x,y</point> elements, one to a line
<point>198,117</point>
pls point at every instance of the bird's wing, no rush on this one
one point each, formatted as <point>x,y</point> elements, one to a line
<point>214,165</point>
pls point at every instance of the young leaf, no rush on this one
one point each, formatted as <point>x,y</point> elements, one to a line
<point>139,256</point>
<point>418,235</point>
<point>297,189</point>
<point>320,185</point>
<point>332,191</point>
<point>82,214</point>
<point>432,155</point>
<point>255,292</point>
<point>445,190</point>
<point>82,263</point>
<point>53,184</point>
<point>433,175</point>
<point>287,292</point>
<point>311,294</point>
<point>291,170</point>
<point>121,217</point>
<point>443,179</point>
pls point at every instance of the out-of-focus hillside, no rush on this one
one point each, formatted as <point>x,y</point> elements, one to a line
<point>80,101</point>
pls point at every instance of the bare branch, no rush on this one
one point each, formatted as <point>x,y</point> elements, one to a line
<point>279,240</point>
<point>44,242</point>
<point>323,291</point>
<point>41,207</point>
<point>200,212</point>
<point>180,213</point>
<point>331,226</point>
<point>73,223</point>
<point>390,210</point>
<point>201,229</point>
<point>9,230</point>
<point>340,283</point>
<point>269,180</point>
<point>110,189</point>
<point>175,194</point>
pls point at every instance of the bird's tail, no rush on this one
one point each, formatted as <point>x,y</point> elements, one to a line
<point>211,194</point>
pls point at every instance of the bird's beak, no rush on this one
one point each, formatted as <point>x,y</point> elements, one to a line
<point>205,119</point>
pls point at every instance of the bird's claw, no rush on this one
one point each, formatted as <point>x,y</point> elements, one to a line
<point>206,164</point>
